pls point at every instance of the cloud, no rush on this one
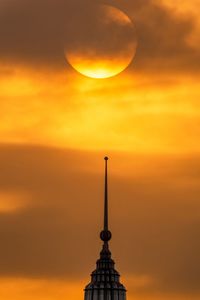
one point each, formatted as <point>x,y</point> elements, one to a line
<point>154,216</point>
<point>36,32</point>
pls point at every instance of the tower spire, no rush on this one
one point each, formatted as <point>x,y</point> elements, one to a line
<point>106,196</point>
<point>105,280</point>
<point>106,234</point>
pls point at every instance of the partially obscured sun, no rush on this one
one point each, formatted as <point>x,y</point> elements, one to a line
<point>104,45</point>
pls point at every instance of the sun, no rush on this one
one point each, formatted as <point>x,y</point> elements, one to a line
<point>105,48</point>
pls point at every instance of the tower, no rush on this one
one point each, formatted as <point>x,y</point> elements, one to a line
<point>105,284</point>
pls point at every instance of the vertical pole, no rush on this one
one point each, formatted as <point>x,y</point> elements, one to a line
<point>106,196</point>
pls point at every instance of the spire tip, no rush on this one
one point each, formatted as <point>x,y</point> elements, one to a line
<point>106,158</point>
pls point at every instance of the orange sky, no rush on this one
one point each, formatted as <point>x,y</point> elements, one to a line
<point>57,125</point>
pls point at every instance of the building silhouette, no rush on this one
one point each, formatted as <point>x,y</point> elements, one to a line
<point>105,280</point>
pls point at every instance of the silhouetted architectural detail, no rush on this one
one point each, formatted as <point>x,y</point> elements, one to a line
<point>105,284</point>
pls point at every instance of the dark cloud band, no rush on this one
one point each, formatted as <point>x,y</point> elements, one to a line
<point>36,32</point>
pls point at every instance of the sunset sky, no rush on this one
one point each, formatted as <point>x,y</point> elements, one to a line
<point>57,125</point>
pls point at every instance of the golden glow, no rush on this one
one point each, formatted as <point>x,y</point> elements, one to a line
<point>41,289</point>
<point>125,117</point>
<point>97,68</point>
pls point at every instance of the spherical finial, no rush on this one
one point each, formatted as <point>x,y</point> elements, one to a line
<point>105,235</point>
<point>106,158</point>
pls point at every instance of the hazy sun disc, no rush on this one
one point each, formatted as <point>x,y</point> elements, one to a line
<point>104,45</point>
